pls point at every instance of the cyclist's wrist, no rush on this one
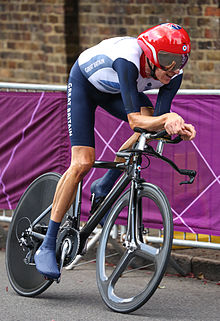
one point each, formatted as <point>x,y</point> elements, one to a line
<point>164,119</point>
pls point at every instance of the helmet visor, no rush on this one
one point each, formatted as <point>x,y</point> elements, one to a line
<point>168,60</point>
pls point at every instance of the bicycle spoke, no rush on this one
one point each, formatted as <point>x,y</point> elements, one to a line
<point>151,254</point>
<point>147,252</point>
<point>121,267</point>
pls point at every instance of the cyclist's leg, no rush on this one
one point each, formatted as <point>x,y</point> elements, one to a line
<point>82,161</point>
<point>102,186</point>
<point>81,129</point>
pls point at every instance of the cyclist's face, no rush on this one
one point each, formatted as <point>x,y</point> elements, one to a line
<point>165,75</point>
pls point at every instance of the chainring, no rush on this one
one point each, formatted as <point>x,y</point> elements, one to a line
<point>72,236</point>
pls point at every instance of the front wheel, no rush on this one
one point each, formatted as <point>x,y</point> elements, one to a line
<point>128,276</point>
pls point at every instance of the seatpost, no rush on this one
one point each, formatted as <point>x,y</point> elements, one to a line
<point>77,206</point>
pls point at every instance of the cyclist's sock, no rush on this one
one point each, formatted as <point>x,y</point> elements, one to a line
<point>102,186</point>
<point>45,257</point>
<point>50,238</point>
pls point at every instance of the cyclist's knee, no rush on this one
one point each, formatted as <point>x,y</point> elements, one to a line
<point>79,170</point>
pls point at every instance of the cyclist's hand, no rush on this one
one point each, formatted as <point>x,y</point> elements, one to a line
<point>188,133</point>
<point>174,124</point>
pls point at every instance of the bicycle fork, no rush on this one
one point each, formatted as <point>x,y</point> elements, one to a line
<point>134,210</point>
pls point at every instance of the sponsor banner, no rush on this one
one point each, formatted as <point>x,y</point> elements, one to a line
<point>34,139</point>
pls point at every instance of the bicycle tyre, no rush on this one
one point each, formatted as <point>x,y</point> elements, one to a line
<point>25,279</point>
<point>107,283</point>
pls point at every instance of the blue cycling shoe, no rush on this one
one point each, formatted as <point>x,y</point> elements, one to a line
<point>46,263</point>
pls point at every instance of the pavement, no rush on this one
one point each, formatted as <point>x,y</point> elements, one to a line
<point>195,262</point>
<point>76,298</point>
<point>203,264</point>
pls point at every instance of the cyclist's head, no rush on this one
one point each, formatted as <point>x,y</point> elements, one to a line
<point>165,44</point>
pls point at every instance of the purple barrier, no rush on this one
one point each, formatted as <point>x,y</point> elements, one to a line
<point>34,140</point>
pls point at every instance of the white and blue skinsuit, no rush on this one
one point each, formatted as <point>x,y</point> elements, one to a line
<point>109,75</point>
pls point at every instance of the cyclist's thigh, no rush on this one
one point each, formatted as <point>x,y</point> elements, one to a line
<point>114,104</point>
<point>80,114</point>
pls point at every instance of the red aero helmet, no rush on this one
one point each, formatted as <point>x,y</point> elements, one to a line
<point>164,44</point>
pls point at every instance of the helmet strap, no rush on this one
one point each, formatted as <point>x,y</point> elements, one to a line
<point>152,70</point>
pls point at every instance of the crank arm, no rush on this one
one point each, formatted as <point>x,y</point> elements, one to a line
<point>65,251</point>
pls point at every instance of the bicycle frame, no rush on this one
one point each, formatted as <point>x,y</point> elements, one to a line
<point>100,212</point>
<point>131,174</point>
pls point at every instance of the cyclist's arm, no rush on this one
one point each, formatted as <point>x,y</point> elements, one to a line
<point>163,104</point>
<point>127,75</point>
<point>166,95</point>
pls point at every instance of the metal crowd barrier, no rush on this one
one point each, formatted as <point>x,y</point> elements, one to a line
<point>35,87</point>
<point>6,217</point>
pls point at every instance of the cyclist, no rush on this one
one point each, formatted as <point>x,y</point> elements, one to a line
<point>113,75</point>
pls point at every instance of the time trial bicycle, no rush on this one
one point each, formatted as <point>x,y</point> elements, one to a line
<point>145,263</point>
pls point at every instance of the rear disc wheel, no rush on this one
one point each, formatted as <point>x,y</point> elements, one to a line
<point>24,278</point>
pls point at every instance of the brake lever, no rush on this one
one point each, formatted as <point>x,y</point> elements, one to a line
<point>190,173</point>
